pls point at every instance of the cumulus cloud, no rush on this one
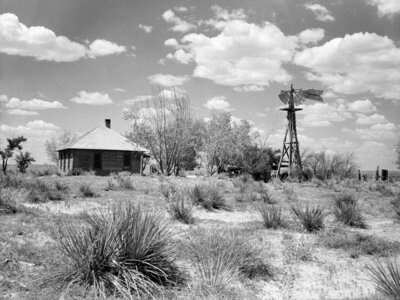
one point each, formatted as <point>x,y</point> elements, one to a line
<point>311,36</point>
<point>242,54</point>
<point>249,88</point>
<point>380,131</point>
<point>372,119</point>
<point>386,7</point>
<point>37,128</point>
<point>104,47</point>
<point>362,106</point>
<point>137,99</point>
<point>181,56</point>
<point>356,63</point>
<point>167,80</point>
<point>34,104</point>
<point>43,44</point>
<point>323,114</point>
<point>219,103</point>
<point>172,43</point>
<point>94,98</point>
<point>179,24</point>
<point>146,28</point>
<point>320,12</point>
<point>21,112</point>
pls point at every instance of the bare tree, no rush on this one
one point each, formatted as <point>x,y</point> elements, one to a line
<point>56,142</point>
<point>161,123</point>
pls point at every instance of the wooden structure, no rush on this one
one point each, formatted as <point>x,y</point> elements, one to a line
<point>290,155</point>
<point>102,150</point>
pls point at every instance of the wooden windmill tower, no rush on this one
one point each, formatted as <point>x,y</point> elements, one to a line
<point>290,156</point>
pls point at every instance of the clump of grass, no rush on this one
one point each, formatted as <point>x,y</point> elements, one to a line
<point>86,190</point>
<point>296,249</point>
<point>386,275</point>
<point>180,207</point>
<point>124,181</point>
<point>312,218</point>
<point>347,211</point>
<point>222,256</point>
<point>167,189</point>
<point>271,216</point>
<point>382,188</point>
<point>111,185</point>
<point>122,252</point>
<point>40,192</point>
<point>209,197</point>
<point>61,186</point>
<point>396,206</point>
<point>243,182</point>
<point>8,204</point>
<point>262,190</point>
<point>357,244</point>
<point>289,192</point>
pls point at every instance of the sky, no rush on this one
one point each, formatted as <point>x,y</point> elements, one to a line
<point>68,65</point>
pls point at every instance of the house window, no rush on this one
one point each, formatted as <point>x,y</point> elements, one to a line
<point>127,160</point>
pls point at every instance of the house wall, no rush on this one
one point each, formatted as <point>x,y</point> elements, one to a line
<point>110,160</point>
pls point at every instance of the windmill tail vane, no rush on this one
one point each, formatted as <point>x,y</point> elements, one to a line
<point>290,155</point>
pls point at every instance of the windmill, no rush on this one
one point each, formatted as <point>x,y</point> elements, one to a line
<point>290,156</point>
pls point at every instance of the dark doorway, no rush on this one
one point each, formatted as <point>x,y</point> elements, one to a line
<point>127,161</point>
<point>97,161</point>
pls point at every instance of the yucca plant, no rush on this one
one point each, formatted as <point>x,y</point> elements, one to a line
<point>122,251</point>
<point>347,211</point>
<point>271,216</point>
<point>312,218</point>
<point>209,197</point>
<point>86,190</point>
<point>61,186</point>
<point>180,208</point>
<point>168,189</point>
<point>386,275</point>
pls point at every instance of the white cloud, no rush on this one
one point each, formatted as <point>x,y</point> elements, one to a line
<point>37,128</point>
<point>312,35</point>
<point>372,119</point>
<point>167,80</point>
<point>3,98</point>
<point>386,7</point>
<point>321,13</point>
<point>146,28</point>
<point>380,131</point>
<point>94,98</point>
<point>249,88</point>
<point>323,114</point>
<point>357,63</point>
<point>242,54</point>
<point>119,90</point>
<point>219,103</point>
<point>181,56</point>
<point>141,98</point>
<point>34,104</point>
<point>43,44</point>
<point>103,48</point>
<point>21,112</point>
<point>179,24</point>
<point>362,106</point>
<point>172,43</point>
<point>181,9</point>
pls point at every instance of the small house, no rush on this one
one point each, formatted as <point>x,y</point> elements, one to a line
<point>102,150</point>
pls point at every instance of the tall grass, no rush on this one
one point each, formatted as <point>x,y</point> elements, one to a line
<point>347,211</point>
<point>271,216</point>
<point>289,192</point>
<point>222,256</point>
<point>124,181</point>
<point>122,251</point>
<point>209,197</point>
<point>167,189</point>
<point>180,207</point>
<point>396,206</point>
<point>386,275</point>
<point>312,218</point>
<point>86,190</point>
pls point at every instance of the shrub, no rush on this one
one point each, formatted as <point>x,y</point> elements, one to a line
<point>243,182</point>
<point>386,276</point>
<point>123,251</point>
<point>381,188</point>
<point>167,189</point>
<point>271,216</point>
<point>124,181</point>
<point>221,256</point>
<point>76,172</point>
<point>289,192</point>
<point>8,205</point>
<point>209,197</point>
<point>262,190</point>
<point>347,211</point>
<point>86,190</point>
<point>396,206</point>
<point>111,185</point>
<point>180,208</point>
<point>39,191</point>
<point>357,244</point>
<point>296,249</point>
<point>312,219</point>
<point>61,186</point>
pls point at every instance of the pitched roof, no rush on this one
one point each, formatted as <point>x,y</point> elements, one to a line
<point>103,138</point>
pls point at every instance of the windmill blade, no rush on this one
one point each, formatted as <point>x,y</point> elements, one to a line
<point>284,97</point>
<point>312,94</point>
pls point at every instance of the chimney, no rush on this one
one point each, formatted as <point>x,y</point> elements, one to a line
<point>108,123</point>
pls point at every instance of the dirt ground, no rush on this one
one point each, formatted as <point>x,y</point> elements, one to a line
<point>26,240</point>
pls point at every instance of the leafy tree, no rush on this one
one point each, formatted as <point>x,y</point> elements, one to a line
<point>23,161</point>
<point>162,124</point>
<point>57,142</point>
<point>8,152</point>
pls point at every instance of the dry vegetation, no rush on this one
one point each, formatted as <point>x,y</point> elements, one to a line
<point>187,238</point>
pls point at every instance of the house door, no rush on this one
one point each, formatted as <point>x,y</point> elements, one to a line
<point>97,161</point>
